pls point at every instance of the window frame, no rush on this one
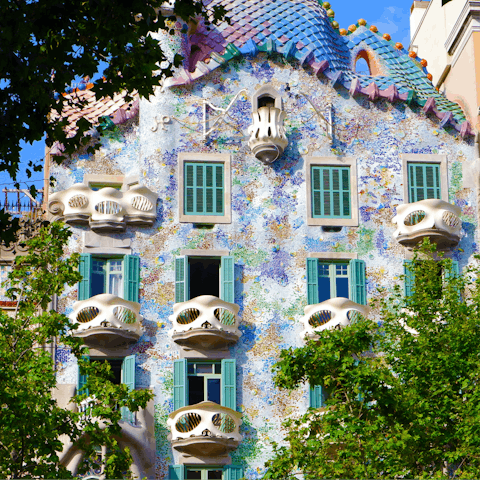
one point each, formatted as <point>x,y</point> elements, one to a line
<point>107,273</point>
<point>408,158</point>
<point>221,158</point>
<point>349,162</point>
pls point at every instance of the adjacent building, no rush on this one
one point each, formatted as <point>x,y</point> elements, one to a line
<point>266,191</point>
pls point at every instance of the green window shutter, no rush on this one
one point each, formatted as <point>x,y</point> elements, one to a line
<point>358,290</point>
<point>423,181</point>
<point>180,385</point>
<point>331,192</point>
<point>229,383</point>
<point>85,268</point>
<point>128,378</point>
<point>409,278</point>
<point>181,279</point>
<point>204,188</point>
<point>454,271</point>
<point>131,284</point>
<point>312,281</point>
<point>176,472</point>
<point>316,397</point>
<point>227,276</point>
<point>232,472</point>
<point>82,380</point>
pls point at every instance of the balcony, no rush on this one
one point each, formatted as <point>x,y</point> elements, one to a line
<point>205,429</point>
<point>267,134</point>
<point>334,313</point>
<point>107,209</point>
<point>205,322</point>
<point>107,321</point>
<point>434,219</point>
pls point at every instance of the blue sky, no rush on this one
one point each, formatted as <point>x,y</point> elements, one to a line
<point>392,19</point>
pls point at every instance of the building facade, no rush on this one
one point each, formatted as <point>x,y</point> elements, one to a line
<point>265,191</point>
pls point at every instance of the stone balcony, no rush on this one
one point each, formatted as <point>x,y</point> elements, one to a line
<point>107,321</point>
<point>334,313</point>
<point>205,322</point>
<point>434,219</point>
<point>205,429</point>
<point>267,134</point>
<point>107,209</point>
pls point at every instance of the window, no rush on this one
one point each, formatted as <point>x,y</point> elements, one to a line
<point>332,191</point>
<point>4,271</point>
<point>197,275</point>
<point>118,276</point>
<point>98,181</point>
<point>409,285</point>
<point>330,279</point>
<point>425,176</point>
<point>204,188</point>
<point>196,381</point>
<point>186,472</point>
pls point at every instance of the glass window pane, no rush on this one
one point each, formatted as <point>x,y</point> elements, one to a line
<point>218,367</point>
<point>195,390</point>
<point>213,390</point>
<point>342,287</point>
<point>204,368</point>
<point>323,289</point>
<point>214,474</point>
<point>194,474</point>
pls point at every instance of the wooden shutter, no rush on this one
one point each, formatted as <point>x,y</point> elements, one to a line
<point>131,282</point>
<point>312,281</point>
<point>409,284</point>
<point>232,472</point>
<point>180,385</point>
<point>181,279</point>
<point>85,268</point>
<point>128,378</point>
<point>219,189</point>
<point>423,181</point>
<point>229,384</point>
<point>453,271</point>
<point>189,187</point>
<point>358,290</point>
<point>82,380</point>
<point>331,192</point>
<point>227,279</point>
<point>316,397</point>
<point>176,472</point>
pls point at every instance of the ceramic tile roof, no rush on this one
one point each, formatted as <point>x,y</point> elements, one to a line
<point>301,30</point>
<point>117,108</point>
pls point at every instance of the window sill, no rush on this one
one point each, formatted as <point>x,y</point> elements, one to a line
<point>333,222</point>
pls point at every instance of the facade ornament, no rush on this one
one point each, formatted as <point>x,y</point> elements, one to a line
<point>163,120</point>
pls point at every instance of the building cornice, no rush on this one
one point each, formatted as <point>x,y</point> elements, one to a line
<point>471,11</point>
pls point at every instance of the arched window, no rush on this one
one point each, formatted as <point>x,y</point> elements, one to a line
<point>362,63</point>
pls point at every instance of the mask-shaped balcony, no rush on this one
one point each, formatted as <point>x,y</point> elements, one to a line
<point>434,219</point>
<point>205,322</point>
<point>107,209</point>
<point>205,429</point>
<point>107,320</point>
<point>267,134</point>
<point>334,313</point>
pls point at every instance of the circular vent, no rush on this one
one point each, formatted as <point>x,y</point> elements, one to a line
<point>320,318</point>
<point>187,316</point>
<point>87,314</point>
<point>189,421</point>
<point>108,207</point>
<point>78,201</point>
<point>141,203</point>
<point>224,422</point>
<point>414,218</point>
<point>224,316</point>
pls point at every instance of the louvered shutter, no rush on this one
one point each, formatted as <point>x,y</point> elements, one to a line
<point>180,385</point>
<point>316,192</point>
<point>409,284</point>
<point>316,397</point>
<point>232,472</point>
<point>82,380</point>
<point>181,279</point>
<point>229,383</point>
<point>85,269</point>
<point>227,279</point>
<point>423,181</point>
<point>219,189</point>
<point>312,281</point>
<point>128,378</point>
<point>176,472</point>
<point>189,188</point>
<point>358,291</point>
<point>454,271</point>
<point>131,284</point>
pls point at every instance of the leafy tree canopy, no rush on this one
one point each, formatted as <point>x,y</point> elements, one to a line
<point>402,394</point>
<point>31,422</point>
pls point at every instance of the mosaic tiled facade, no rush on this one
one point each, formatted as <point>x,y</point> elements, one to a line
<point>270,233</point>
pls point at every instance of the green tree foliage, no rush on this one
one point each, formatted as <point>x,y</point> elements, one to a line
<point>403,397</point>
<point>32,425</point>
